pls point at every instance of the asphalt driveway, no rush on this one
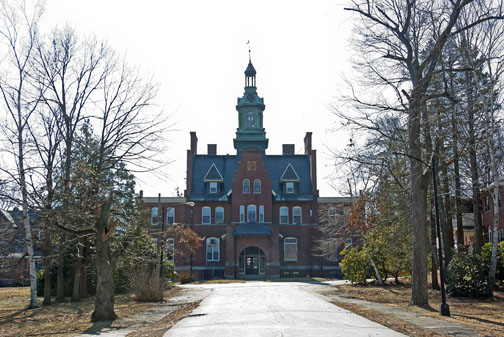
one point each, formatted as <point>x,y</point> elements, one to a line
<point>270,309</point>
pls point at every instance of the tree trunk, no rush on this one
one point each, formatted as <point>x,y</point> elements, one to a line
<point>371,260</point>
<point>83,282</point>
<point>60,280</point>
<point>419,288</point>
<point>76,281</point>
<point>104,300</point>
<point>47,269</point>
<point>458,188</point>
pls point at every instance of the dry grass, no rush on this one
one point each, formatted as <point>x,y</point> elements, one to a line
<point>159,328</point>
<point>483,314</point>
<point>61,319</point>
<point>219,281</point>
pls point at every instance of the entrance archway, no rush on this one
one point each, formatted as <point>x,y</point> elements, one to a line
<point>252,261</point>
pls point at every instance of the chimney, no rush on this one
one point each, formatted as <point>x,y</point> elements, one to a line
<point>307,143</point>
<point>194,142</point>
<point>141,194</point>
<point>288,149</point>
<point>212,149</point>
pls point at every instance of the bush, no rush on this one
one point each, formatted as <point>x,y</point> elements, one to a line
<point>486,254</point>
<point>466,277</point>
<point>355,266</point>
<point>186,279</point>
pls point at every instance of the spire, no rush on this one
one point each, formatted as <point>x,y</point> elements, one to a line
<point>250,72</point>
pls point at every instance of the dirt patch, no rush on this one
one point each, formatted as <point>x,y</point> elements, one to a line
<point>482,314</point>
<point>387,320</point>
<point>58,319</point>
<point>159,328</point>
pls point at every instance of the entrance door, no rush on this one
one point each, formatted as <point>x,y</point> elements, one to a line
<point>252,261</point>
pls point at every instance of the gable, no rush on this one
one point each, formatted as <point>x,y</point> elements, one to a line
<point>213,174</point>
<point>289,174</point>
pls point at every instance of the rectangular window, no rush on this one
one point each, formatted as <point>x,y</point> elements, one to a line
<point>154,216</point>
<point>242,213</point>
<point>219,215</point>
<point>501,234</point>
<point>170,216</point>
<point>284,215</point>
<point>213,187</point>
<point>212,249</point>
<point>41,235</point>
<point>261,214</point>
<point>348,243</point>
<point>205,215</point>
<point>251,213</point>
<point>170,249</point>
<point>296,216</point>
<point>333,214</point>
<point>289,187</point>
<point>487,203</point>
<point>290,249</point>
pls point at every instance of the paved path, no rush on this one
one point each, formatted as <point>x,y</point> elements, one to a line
<point>271,309</point>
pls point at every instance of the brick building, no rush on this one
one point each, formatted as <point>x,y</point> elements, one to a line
<point>488,211</point>
<point>258,212</point>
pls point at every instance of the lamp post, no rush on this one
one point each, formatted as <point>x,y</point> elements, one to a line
<point>445,308</point>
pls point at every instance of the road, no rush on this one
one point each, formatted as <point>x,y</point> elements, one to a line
<point>271,309</point>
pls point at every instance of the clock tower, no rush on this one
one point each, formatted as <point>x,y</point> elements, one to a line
<point>250,135</point>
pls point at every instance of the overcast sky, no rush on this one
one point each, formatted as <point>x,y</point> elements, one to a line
<point>197,51</point>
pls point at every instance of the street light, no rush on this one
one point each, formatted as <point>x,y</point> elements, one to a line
<point>445,308</point>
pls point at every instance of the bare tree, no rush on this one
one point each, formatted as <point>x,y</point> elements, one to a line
<point>19,33</point>
<point>401,42</point>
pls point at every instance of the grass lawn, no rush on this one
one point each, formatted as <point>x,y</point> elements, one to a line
<point>59,319</point>
<point>483,314</point>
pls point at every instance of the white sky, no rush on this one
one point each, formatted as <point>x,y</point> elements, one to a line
<point>197,52</point>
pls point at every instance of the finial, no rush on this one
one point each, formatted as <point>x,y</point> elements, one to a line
<point>248,43</point>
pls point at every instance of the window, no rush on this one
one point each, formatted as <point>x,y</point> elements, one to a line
<point>490,236</point>
<point>348,243</point>
<point>296,215</point>
<point>333,214</point>
<point>212,249</point>
<point>170,249</point>
<point>41,235</point>
<point>487,203</point>
<point>501,234</point>
<point>246,186</point>
<point>261,214</point>
<point>332,249</point>
<point>257,186</point>
<point>170,216</point>
<point>284,215</point>
<point>250,120</point>
<point>251,213</point>
<point>290,249</point>
<point>154,216</point>
<point>205,215</point>
<point>242,213</point>
<point>212,187</point>
<point>219,215</point>
<point>289,187</point>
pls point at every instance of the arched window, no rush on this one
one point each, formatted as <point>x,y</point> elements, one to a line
<point>170,249</point>
<point>246,186</point>
<point>205,215</point>
<point>290,249</point>
<point>212,249</point>
<point>219,215</point>
<point>251,213</point>
<point>284,215</point>
<point>257,186</point>
<point>154,216</point>
<point>170,216</point>
<point>250,120</point>
<point>296,215</point>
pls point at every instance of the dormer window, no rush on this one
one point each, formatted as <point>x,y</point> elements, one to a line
<point>289,187</point>
<point>213,187</point>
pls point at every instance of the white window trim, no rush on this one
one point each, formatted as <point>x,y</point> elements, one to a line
<point>300,215</point>
<point>287,190</point>
<point>290,243</point>
<point>242,213</point>
<point>168,211</point>
<point>287,214</point>
<point>261,213</point>
<point>210,184</point>
<point>217,245</point>
<point>172,245</point>
<point>203,215</point>
<point>217,220</point>
<point>255,213</point>
<point>243,186</point>
<point>257,191</point>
